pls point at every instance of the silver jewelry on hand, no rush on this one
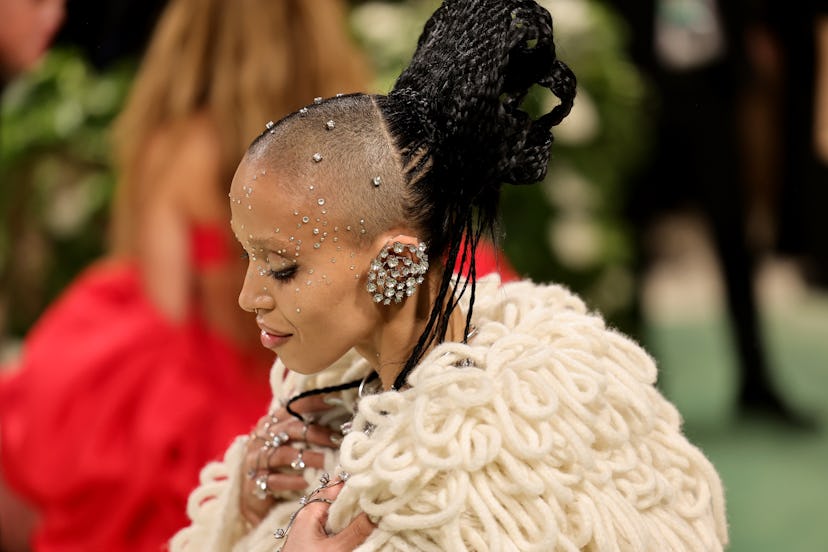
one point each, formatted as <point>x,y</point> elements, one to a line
<point>260,490</point>
<point>298,463</point>
<point>325,480</point>
<point>276,440</point>
<point>305,433</point>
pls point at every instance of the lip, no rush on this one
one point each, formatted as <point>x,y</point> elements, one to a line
<point>271,339</point>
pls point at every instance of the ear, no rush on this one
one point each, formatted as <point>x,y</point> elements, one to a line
<point>405,236</point>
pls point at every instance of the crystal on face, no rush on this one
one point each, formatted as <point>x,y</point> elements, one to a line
<point>376,181</point>
<point>330,125</point>
<point>320,201</point>
<point>317,157</point>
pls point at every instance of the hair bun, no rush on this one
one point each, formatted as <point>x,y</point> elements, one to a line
<point>473,66</point>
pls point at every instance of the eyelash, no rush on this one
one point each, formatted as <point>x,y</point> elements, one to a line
<point>284,275</point>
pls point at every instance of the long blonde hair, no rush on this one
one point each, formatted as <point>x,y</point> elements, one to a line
<point>241,62</point>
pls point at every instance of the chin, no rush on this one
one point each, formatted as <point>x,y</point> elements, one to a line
<point>300,367</point>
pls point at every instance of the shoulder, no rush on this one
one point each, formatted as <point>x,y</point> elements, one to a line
<point>545,439</point>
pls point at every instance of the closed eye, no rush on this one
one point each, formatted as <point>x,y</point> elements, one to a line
<point>284,274</point>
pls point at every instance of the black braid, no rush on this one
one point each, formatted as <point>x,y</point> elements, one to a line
<point>324,390</point>
<point>456,118</point>
<point>455,115</point>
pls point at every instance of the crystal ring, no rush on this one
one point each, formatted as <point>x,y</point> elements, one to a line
<point>298,463</point>
<point>260,489</point>
<point>277,440</point>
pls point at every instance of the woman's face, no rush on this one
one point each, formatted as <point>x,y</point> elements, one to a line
<point>26,30</point>
<point>307,271</point>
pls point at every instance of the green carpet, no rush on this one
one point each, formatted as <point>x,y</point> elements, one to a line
<point>776,478</point>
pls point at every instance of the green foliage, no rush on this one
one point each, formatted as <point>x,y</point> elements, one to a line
<point>57,180</point>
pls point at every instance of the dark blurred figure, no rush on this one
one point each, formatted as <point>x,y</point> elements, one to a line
<point>108,32</point>
<point>694,53</point>
<point>797,70</point>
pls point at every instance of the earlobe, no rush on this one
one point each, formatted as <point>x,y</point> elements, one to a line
<point>397,270</point>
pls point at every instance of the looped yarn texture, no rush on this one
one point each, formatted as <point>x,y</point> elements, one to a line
<point>553,440</point>
<point>460,96</point>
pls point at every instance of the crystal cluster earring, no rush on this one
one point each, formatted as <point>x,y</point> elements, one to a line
<point>396,272</point>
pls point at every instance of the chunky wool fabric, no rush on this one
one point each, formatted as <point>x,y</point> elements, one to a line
<point>552,439</point>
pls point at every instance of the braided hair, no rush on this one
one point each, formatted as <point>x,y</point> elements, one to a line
<point>454,118</point>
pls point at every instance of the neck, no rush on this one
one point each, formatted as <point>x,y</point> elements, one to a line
<point>400,329</point>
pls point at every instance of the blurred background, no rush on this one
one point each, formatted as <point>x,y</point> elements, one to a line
<point>685,201</point>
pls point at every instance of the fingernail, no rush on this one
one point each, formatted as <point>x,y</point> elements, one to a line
<point>331,400</point>
<point>336,439</point>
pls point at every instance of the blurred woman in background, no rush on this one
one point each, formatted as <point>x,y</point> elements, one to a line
<point>145,368</point>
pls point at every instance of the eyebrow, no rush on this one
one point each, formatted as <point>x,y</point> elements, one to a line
<point>273,244</point>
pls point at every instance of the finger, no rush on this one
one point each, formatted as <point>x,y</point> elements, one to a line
<point>283,457</point>
<point>315,434</point>
<point>323,436</point>
<point>355,533</point>
<point>257,505</point>
<point>286,482</point>
<point>332,490</point>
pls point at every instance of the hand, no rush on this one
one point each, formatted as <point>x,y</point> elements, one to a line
<point>308,529</point>
<point>268,458</point>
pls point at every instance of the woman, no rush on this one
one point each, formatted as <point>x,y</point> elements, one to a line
<point>144,369</point>
<point>478,416</point>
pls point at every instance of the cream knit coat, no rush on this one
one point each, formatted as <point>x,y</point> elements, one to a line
<point>553,440</point>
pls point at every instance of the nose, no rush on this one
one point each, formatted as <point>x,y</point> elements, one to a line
<point>254,294</point>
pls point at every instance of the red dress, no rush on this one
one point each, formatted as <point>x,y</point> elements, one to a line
<point>114,410</point>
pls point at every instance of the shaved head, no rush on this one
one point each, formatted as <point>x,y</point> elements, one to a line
<point>339,151</point>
